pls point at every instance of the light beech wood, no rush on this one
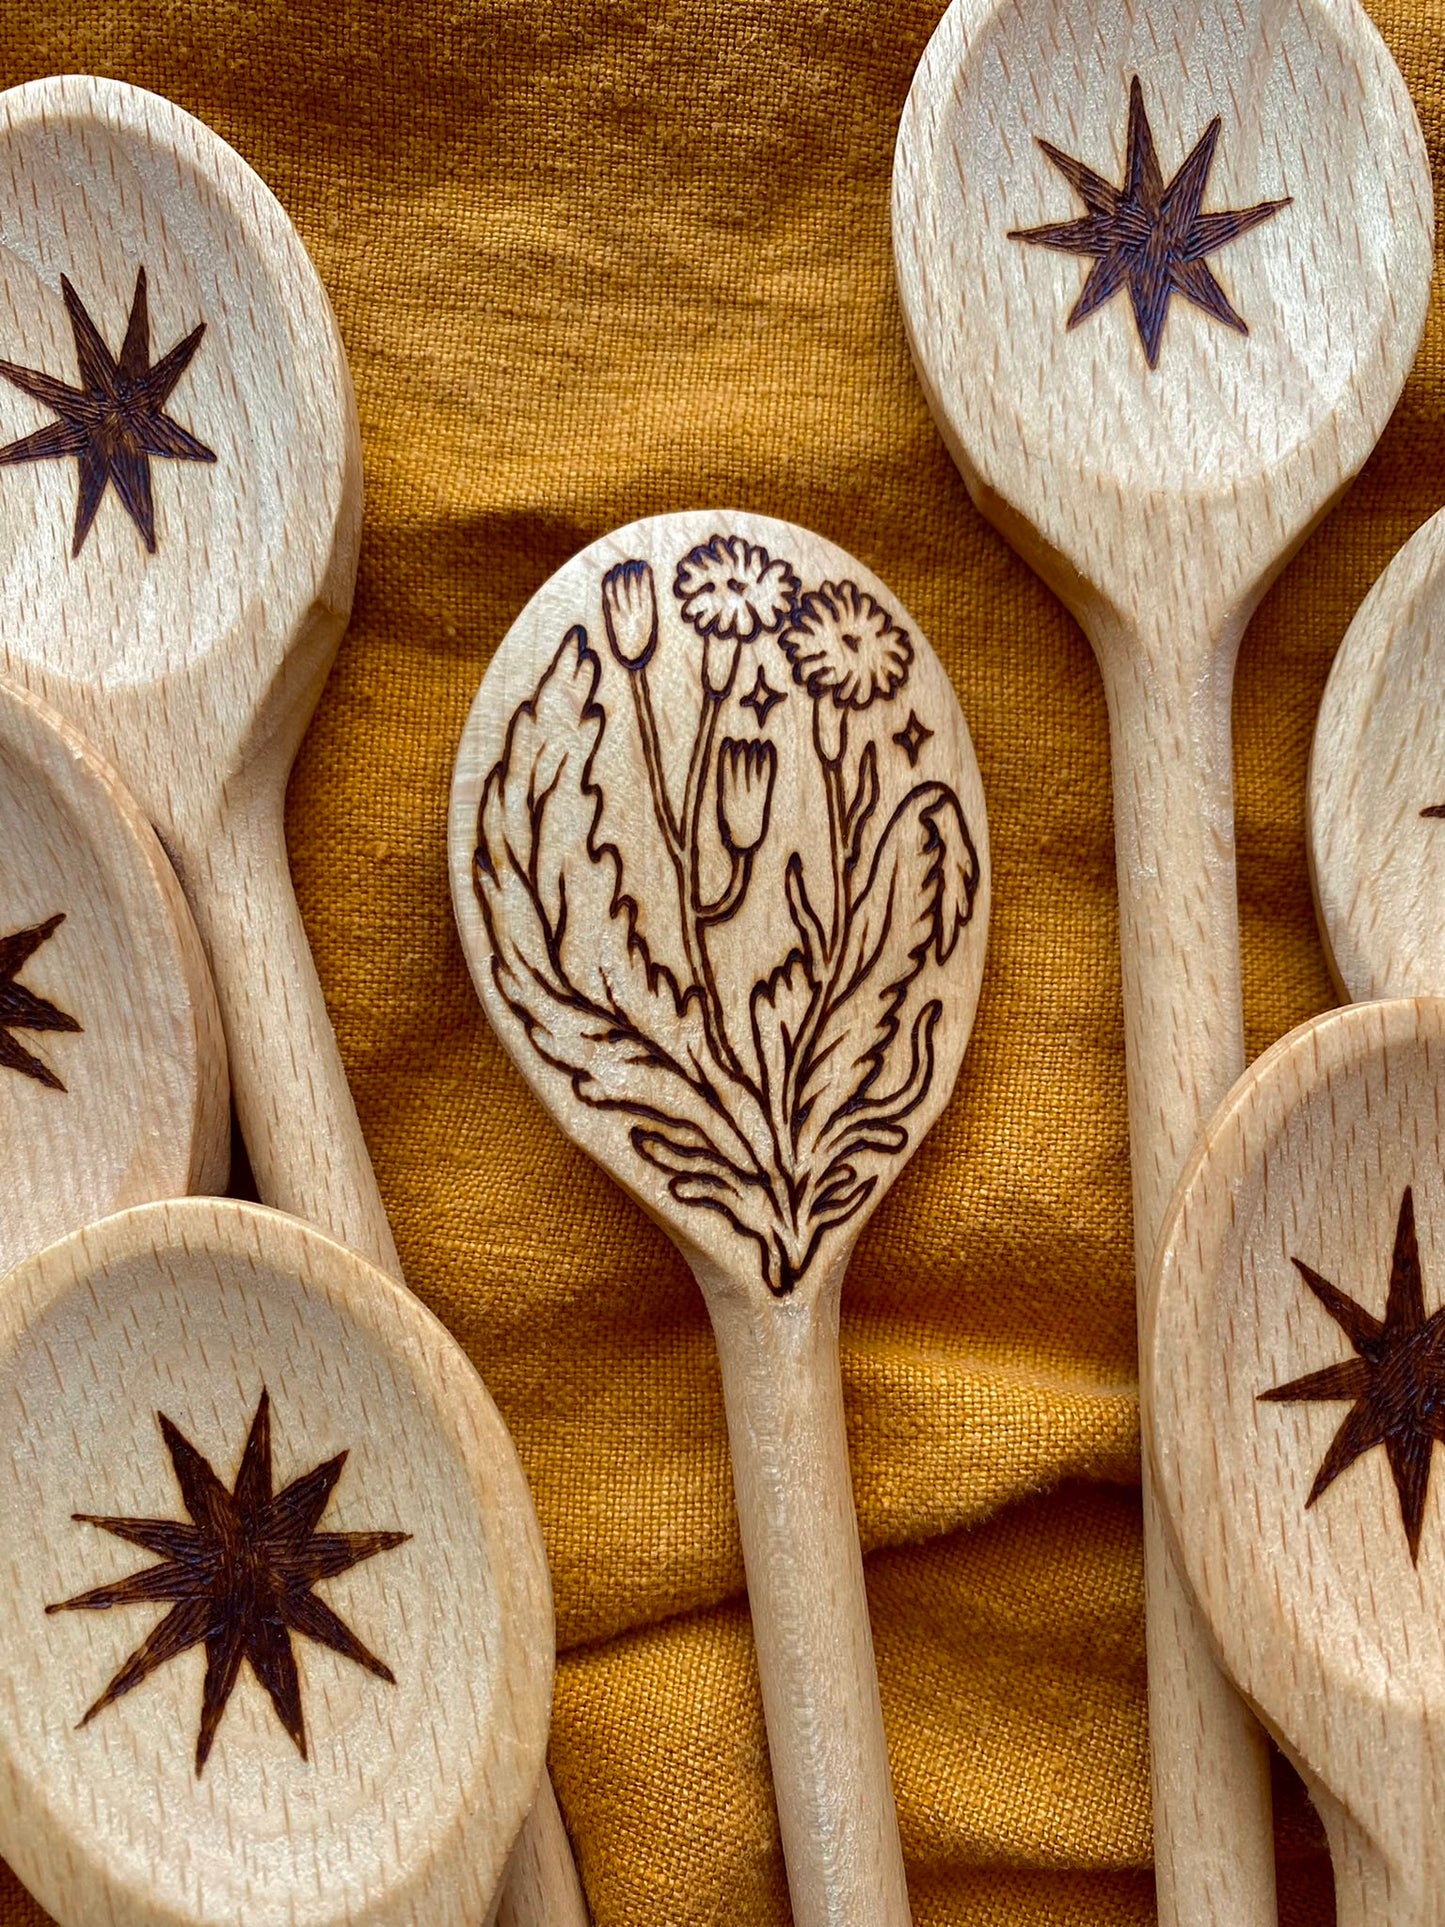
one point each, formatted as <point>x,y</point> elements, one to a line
<point>196,667</point>
<point>133,1104</point>
<point>1377,860</point>
<point>398,1789</point>
<point>719,862</point>
<point>1328,1155</point>
<point>1159,501</point>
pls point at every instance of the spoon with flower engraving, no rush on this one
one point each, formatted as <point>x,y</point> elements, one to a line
<point>1376,799</point>
<point>1164,268</point>
<point>1297,1365</point>
<point>276,1632</point>
<point>180,502</point>
<point>718,858</point>
<point>112,1064</point>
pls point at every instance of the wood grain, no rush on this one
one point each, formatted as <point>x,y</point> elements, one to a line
<point>139,1107</point>
<point>719,862</point>
<point>1319,1186</point>
<point>190,641</point>
<point>1159,501</point>
<point>411,1792</point>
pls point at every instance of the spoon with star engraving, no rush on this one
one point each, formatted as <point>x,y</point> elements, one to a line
<point>1164,268</point>
<point>1376,798</point>
<point>276,1631</point>
<point>112,1064</point>
<point>719,863</point>
<point>1296,1348</point>
<point>180,501</point>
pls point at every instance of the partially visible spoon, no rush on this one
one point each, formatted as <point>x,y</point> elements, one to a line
<point>1297,1371</point>
<point>311,1488</point>
<point>1377,784</point>
<point>1155,400</point>
<point>719,864</point>
<point>180,503</point>
<point>112,1065</point>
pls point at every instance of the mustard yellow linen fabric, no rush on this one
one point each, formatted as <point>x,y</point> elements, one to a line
<point>593,261</point>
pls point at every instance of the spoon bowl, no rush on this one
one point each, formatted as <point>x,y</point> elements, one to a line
<point>1164,269</point>
<point>718,859</point>
<point>227,1438</point>
<point>1376,795</point>
<point>112,1065</point>
<point>1295,1366</point>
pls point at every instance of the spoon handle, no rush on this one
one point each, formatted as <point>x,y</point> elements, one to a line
<point>1169,715</point>
<point>309,1157</point>
<point>1370,1888</point>
<point>783,1391</point>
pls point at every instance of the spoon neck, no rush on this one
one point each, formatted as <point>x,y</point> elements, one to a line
<point>1400,1885</point>
<point>1173,780</point>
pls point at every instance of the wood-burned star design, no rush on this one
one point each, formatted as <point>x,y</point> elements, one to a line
<point>1397,1379</point>
<point>1145,236</point>
<point>22,1009</point>
<point>115,423</point>
<point>239,1577</point>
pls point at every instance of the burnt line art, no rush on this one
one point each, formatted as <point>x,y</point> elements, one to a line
<point>776,1108</point>
<point>1434,810</point>
<point>1146,236</point>
<point>115,423</point>
<point>22,1009</point>
<point>239,1578</point>
<point>1395,1382</point>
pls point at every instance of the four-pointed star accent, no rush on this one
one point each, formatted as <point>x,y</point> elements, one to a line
<point>21,1009</point>
<point>1145,236</point>
<point>239,1577</point>
<point>911,738</point>
<point>115,422</point>
<point>1396,1381</point>
<point>761,698</point>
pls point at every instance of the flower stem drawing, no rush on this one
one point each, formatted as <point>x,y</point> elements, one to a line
<point>753,986</point>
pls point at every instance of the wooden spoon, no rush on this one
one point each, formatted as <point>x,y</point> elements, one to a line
<point>718,857</point>
<point>1164,268</point>
<point>180,503</point>
<point>112,1066</point>
<point>1296,1363</point>
<point>1377,784</point>
<point>361,1564</point>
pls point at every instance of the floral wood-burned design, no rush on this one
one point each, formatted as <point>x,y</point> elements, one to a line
<point>239,1577</point>
<point>115,423</point>
<point>22,1009</point>
<point>1396,1380</point>
<point>763,1017</point>
<point>1145,236</point>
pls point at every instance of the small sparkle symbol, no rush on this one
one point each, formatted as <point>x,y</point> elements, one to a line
<point>21,1009</point>
<point>1396,1381</point>
<point>115,422</point>
<point>911,738</point>
<point>239,1577</point>
<point>1146,236</point>
<point>761,698</point>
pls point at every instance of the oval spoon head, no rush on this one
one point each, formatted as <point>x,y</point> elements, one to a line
<point>179,466</point>
<point>1377,785</point>
<point>1297,1366</point>
<point>276,1638</point>
<point>112,1064</point>
<point>719,860</point>
<point>1210,392</point>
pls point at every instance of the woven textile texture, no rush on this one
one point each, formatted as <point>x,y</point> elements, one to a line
<point>592,262</point>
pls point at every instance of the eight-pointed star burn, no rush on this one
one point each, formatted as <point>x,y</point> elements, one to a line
<point>1396,1381</point>
<point>22,1009</point>
<point>1145,236</point>
<point>239,1577</point>
<point>115,422</point>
